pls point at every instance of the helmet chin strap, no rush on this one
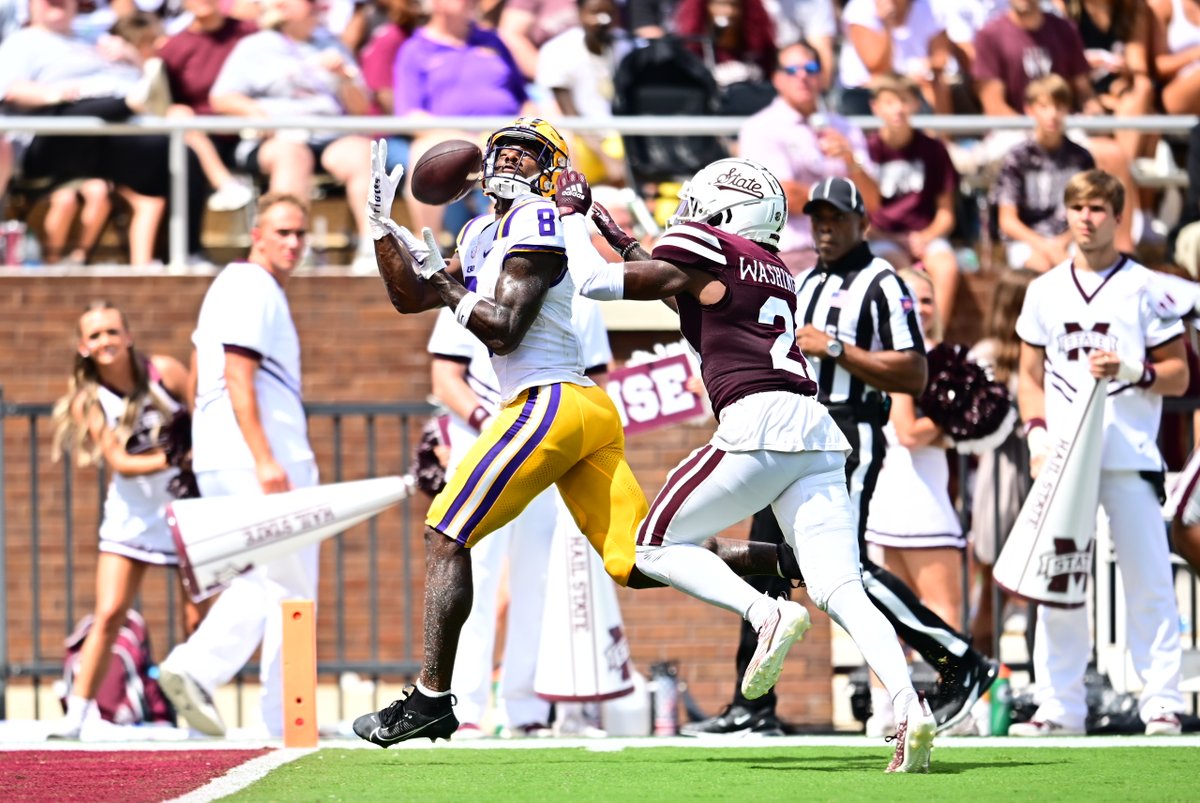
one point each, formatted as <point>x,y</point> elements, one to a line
<point>508,187</point>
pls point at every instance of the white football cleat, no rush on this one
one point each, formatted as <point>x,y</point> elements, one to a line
<point>914,739</point>
<point>782,629</point>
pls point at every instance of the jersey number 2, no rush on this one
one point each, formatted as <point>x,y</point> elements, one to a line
<point>775,308</point>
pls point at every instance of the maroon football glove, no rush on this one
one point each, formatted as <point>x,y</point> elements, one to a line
<point>572,194</point>
<point>619,239</point>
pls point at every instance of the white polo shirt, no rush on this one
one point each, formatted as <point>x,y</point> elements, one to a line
<point>246,309</point>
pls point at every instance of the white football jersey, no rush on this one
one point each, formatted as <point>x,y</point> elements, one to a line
<point>1069,313</point>
<point>550,351</point>
<point>452,340</point>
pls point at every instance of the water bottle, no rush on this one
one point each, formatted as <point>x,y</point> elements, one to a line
<point>664,679</point>
<point>12,243</point>
<point>1001,694</point>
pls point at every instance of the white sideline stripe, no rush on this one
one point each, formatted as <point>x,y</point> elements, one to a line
<point>621,743</point>
<point>243,775</point>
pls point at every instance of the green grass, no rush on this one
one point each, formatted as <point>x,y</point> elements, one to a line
<point>742,774</point>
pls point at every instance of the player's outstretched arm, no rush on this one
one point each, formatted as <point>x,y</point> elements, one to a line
<point>642,280</point>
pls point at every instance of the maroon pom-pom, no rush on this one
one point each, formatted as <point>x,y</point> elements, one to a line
<point>960,397</point>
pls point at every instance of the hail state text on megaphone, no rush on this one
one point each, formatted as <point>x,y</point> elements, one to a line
<point>219,537</point>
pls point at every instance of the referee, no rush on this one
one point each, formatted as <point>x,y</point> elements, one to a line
<point>857,325</point>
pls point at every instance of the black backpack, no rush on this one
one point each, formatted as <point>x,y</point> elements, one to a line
<point>663,78</point>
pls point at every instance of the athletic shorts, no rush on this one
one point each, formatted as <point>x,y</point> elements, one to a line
<point>562,434</point>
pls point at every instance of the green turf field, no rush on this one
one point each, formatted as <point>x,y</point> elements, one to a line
<point>741,774</point>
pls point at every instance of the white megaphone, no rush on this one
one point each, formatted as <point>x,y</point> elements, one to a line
<point>1048,555</point>
<point>219,537</point>
<point>583,655</point>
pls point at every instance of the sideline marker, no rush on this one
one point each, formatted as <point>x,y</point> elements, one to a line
<point>299,673</point>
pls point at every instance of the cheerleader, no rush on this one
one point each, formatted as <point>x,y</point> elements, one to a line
<point>129,411</point>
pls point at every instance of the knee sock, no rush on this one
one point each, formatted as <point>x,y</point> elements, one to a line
<point>849,606</point>
<point>699,573</point>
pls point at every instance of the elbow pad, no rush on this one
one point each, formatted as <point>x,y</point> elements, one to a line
<point>593,277</point>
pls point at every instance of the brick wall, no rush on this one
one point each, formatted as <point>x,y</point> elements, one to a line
<point>355,348</point>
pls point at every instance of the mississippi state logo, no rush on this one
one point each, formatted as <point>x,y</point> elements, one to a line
<point>1076,339</point>
<point>738,182</point>
<point>617,652</point>
<point>1067,566</point>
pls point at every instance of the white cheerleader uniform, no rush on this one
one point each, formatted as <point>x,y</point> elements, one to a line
<point>135,508</point>
<point>911,506</point>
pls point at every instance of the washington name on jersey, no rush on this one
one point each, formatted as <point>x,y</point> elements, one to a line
<point>746,341</point>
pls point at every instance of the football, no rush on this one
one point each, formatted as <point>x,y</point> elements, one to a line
<point>446,172</point>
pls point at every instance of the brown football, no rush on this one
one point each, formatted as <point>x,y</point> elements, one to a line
<point>447,172</point>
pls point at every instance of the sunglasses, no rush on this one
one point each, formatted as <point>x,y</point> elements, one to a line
<point>808,68</point>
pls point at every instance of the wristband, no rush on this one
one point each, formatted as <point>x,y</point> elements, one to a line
<point>462,312</point>
<point>477,418</point>
<point>624,250</point>
<point>1037,438</point>
<point>1034,423</point>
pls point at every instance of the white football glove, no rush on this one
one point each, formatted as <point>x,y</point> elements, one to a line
<point>382,192</point>
<point>432,262</point>
<point>415,247</point>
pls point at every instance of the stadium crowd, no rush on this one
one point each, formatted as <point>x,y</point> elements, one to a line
<point>795,70</point>
<point>561,58</point>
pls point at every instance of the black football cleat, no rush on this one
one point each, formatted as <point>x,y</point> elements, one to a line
<point>399,722</point>
<point>735,721</point>
<point>961,686</point>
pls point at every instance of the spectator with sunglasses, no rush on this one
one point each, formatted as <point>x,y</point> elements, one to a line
<point>802,144</point>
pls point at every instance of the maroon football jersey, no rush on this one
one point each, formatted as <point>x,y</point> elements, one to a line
<point>747,340</point>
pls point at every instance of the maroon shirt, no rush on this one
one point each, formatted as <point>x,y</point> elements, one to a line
<point>740,338</point>
<point>910,181</point>
<point>193,59</point>
<point>1015,56</point>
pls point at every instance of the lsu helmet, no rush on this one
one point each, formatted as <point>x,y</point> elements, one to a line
<point>736,196</point>
<point>538,138</point>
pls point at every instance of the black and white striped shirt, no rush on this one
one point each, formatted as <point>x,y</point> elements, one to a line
<point>859,300</point>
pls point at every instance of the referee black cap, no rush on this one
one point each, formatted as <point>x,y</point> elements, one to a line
<point>840,192</point>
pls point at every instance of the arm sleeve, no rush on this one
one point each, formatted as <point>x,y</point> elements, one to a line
<point>593,277</point>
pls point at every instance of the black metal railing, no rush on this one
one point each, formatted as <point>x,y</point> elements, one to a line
<point>352,441</point>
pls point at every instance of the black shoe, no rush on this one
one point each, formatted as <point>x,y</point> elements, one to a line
<point>399,722</point>
<point>735,721</point>
<point>961,686</point>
